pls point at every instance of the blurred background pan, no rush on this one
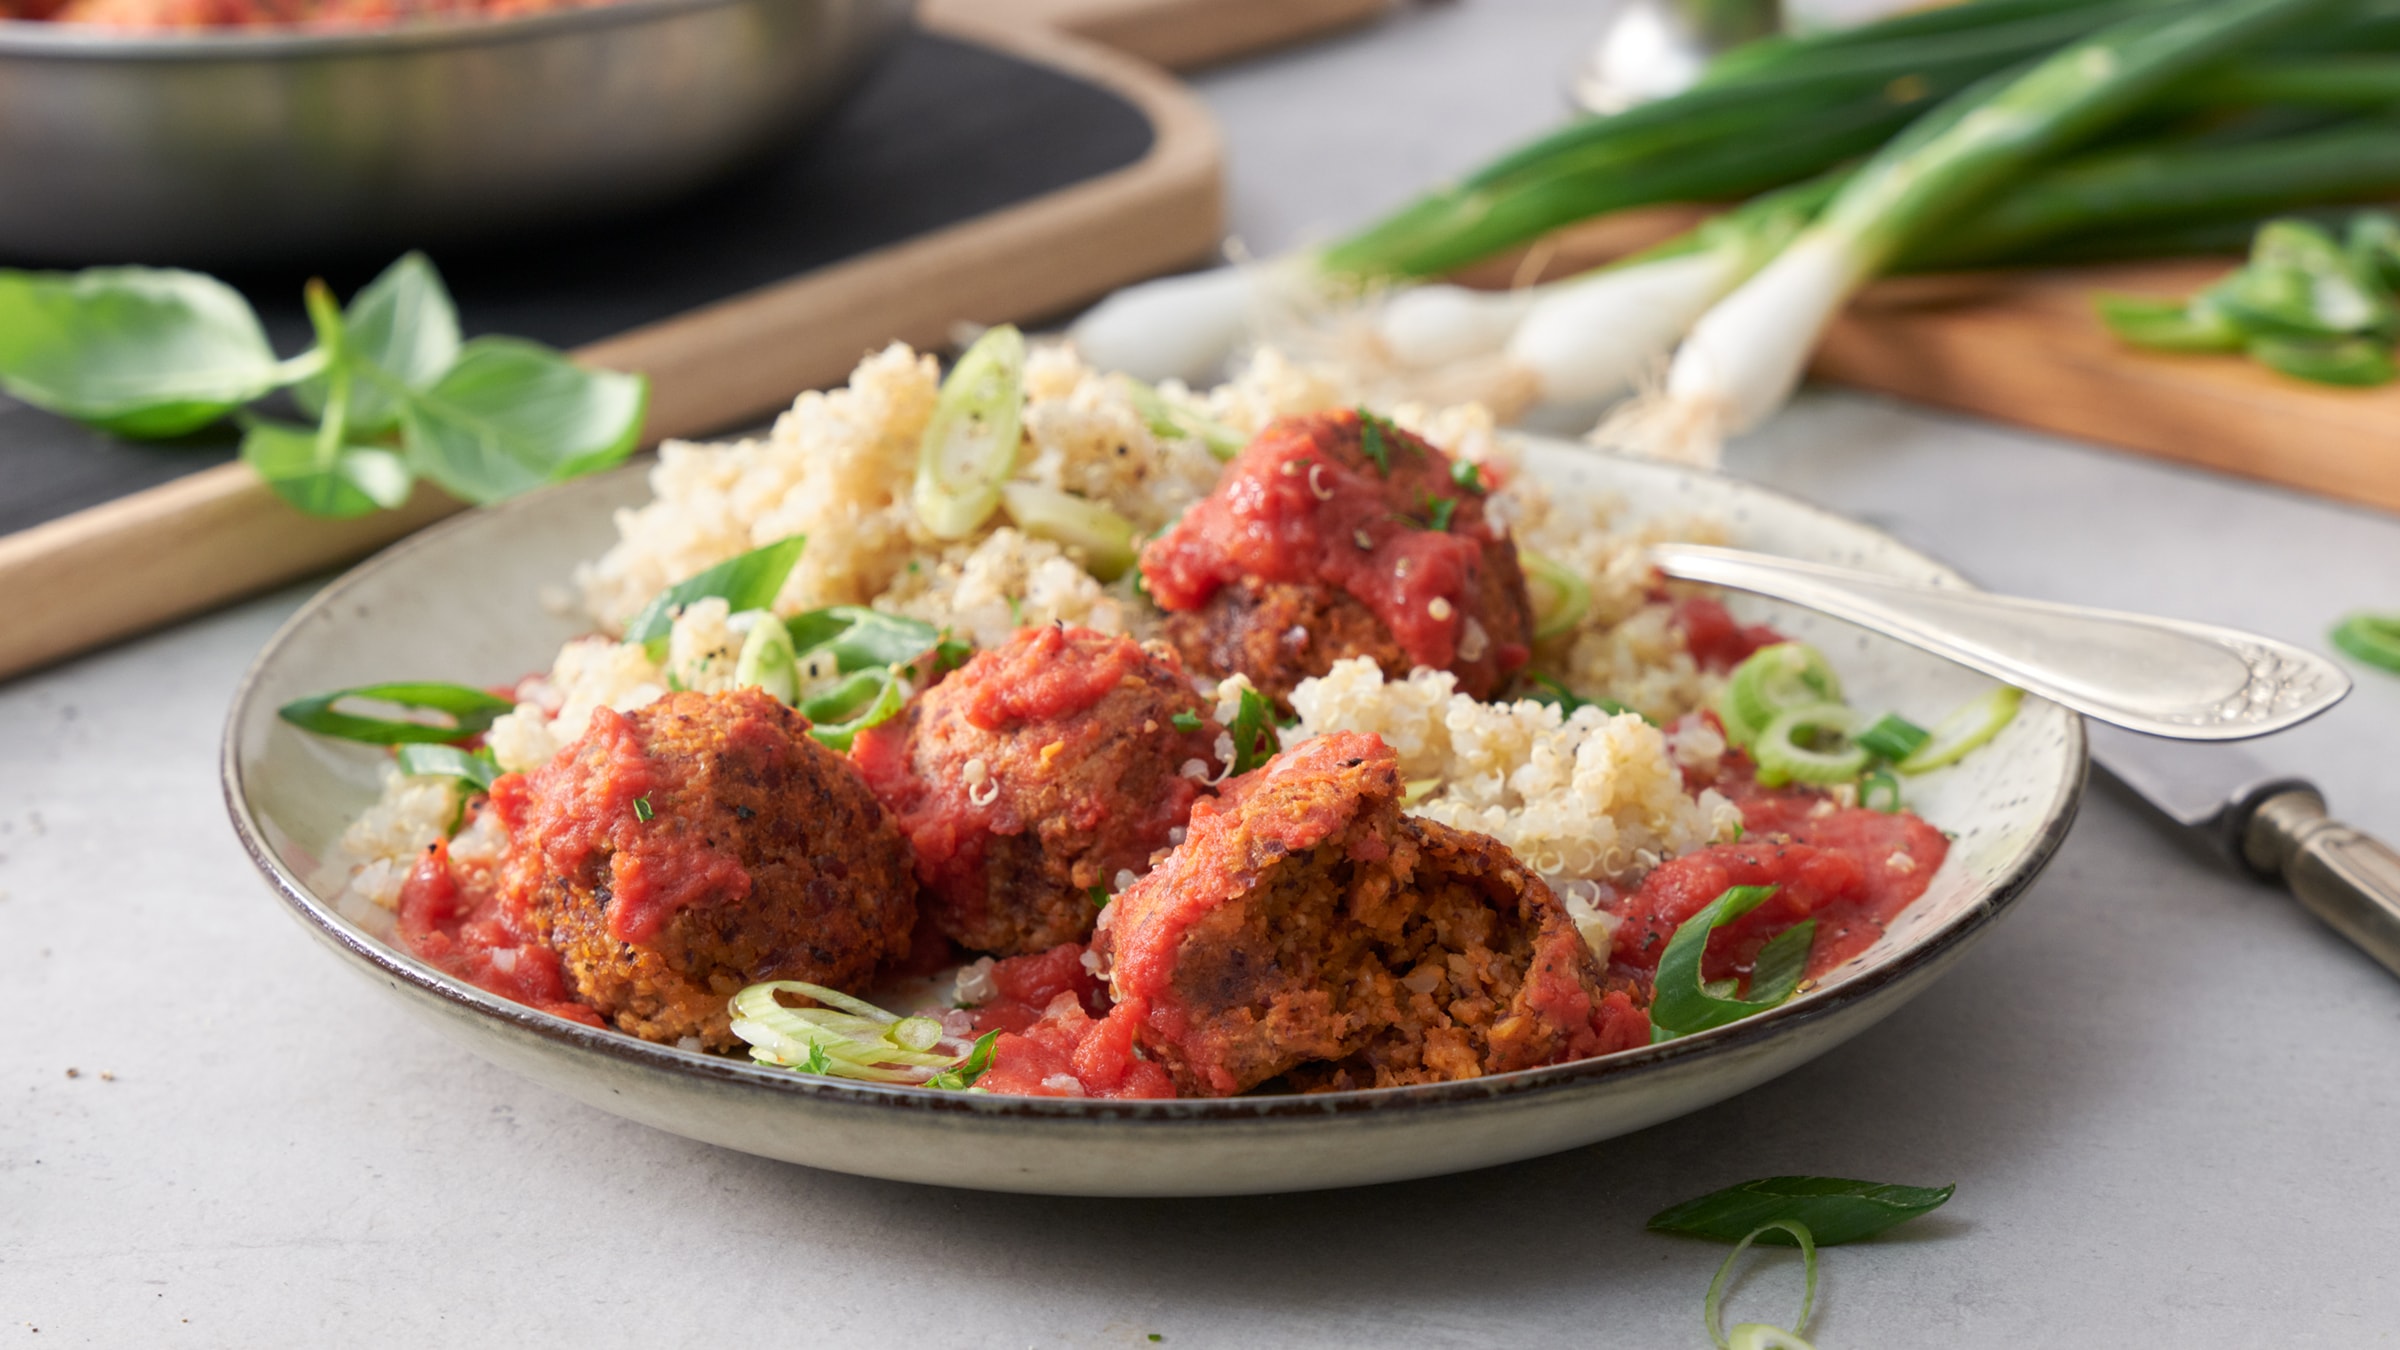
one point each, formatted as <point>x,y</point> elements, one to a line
<point>219,147</point>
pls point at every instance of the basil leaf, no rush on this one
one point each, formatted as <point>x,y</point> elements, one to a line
<point>861,638</point>
<point>358,479</point>
<point>1683,1003</point>
<point>143,352</point>
<point>470,710</point>
<point>1834,1210</point>
<point>744,581</point>
<point>476,768</point>
<point>510,416</point>
<point>403,324</point>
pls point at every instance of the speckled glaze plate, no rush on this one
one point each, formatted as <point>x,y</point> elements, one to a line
<point>461,602</point>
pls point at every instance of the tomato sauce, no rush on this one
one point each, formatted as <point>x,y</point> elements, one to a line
<point>1037,678</point>
<point>1716,640</point>
<point>1305,503</point>
<point>1052,1043</point>
<point>472,932</point>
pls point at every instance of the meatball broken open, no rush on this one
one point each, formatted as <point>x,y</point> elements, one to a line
<point>705,842</point>
<point>1308,931</point>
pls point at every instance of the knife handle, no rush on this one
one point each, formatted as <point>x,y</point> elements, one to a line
<point>2349,879</point>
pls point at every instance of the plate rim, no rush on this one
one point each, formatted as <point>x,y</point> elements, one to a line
<point>315,914</point>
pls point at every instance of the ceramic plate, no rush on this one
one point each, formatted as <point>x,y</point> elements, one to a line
<point>461,602</point>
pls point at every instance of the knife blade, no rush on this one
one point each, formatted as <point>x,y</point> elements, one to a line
<point>2273,826</point>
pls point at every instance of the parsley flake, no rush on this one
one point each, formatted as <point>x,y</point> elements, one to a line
<point>1438,511</point>
<point>1467,474</point>
<point>641,809</point>
<point>1371,441</point>
<point>1186,721</point>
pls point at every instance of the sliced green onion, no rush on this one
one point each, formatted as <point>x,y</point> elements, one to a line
<point>1712,1310</point>
<point>1560,598</point>
<point>971,441</point>
<point>470,712</point>
<point>1104,537</point>
<point>1760,1336</point>
<point>1167,420</point>
<point>1469,475</point>
<point>1683,1003</point>
<point>2372,638</point>
<point>1770,680</point>
<point>1879,790</point>
<point>1835,1209</point>
<point>1254,738</point>
<point>1975,722</point>
<point>1893,737</point>
<point>877,696</point>
<point>745,581</point>
<point>851,1038</point>
<point>768,660</point>
<point>1786,752</point>
<point>1438,511</point>
<point>2299,283</point>
<point>1418,789</point>
<point>475,768</point>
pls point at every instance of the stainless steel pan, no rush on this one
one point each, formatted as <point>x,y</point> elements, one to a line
<point>286,147</point>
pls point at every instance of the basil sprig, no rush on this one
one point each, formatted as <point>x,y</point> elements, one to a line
<point>470,712</point>
<point>1685,1003</point>
<point>1836,1210</point>
<point>155,352</point>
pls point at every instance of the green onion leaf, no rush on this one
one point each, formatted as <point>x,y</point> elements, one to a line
<point>1254,738</point>
<point>510,416</point>
<point>1560,598</point>
<point>2372,638</point>
<point>1098,895</point>
<point>143,352</point>
<point>2357,363</point>
<point>1893,737</point>
<point>767,660</point>
<point>404,324</point>
<point>745,581</point>
<point>1174,423</point>
<point>1975,722</point>
<point>868,698</point>
<point>1683,1005</point>
<point>970,443</point>
<point>1712,1308</point>
<point>475,768</point>
<point>1879,790</point>
<point>2168,325</point>
<point>470,712</point>
<point>860,638</point>
<point>355,480</point>
<point>1835,1210</point>
<point>641,809</point>
<point>1104,537</point>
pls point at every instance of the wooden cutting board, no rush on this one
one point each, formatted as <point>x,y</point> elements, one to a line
<point>210,536</point>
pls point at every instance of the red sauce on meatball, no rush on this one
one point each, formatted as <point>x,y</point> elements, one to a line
<point>1305,502</point>
<point>471,932</point>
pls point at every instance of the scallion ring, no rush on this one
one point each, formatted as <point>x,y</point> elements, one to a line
<point>768,660</point>
<point>1712,1311</point>
<point>1976,722</point>
<point>1893,737</point>
<point>1560,598</point>
<point>868,698</point>
<point>1104,537</point>
<point>1878,790</point>
<point>1773,679</point>
<point>1785,754</point>
<point>846,1037</point>
<point>970,444</point>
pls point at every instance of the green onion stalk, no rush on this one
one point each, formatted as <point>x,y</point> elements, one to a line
<point>1744,356</point>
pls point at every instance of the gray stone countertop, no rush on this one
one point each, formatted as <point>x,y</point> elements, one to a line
<point>2168,1097</point>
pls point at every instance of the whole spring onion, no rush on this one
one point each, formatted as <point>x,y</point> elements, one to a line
<point>1743,358</point>
<point>970,443</point>
<point>851,1038</point>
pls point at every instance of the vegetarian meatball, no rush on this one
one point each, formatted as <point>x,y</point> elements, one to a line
<point>705,842</point>
<point>1341,535</point>
<point>1308,931</point>
<point>1029,778</point>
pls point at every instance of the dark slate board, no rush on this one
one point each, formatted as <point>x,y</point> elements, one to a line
<point>942,132</point>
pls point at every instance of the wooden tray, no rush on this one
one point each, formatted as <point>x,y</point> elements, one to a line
<point>214,535</point>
